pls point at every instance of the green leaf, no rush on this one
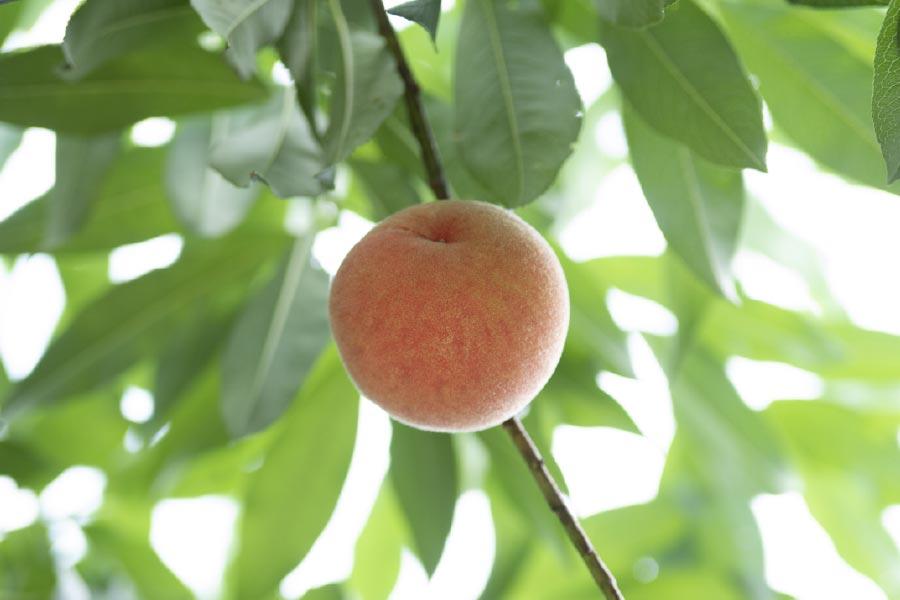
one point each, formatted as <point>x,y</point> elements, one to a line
<point>423,472</point>
<point>9,141</point>
<point>9,19</point>
<point>632,13</point>
<point>839,3</point>
<point>592,329</point>
<point>328,592</point>
<point>50,433</point>
<point>685,80</point>
<point>384,536</point>
<point>517,110</point>
<point>81,166</point>
<point>128,208</point>
<point>815,73</point>
<point>90,352</point>
<point>121,531</point>
<point>275,342</point>
<point>205,201</point>
<point>27,568</point>
<point>101,30</point>
<point>292,496</point>
<point>699,206</point>
<point>387,187</point>
<point>246,26</point>
<point>185,355</point>
<point>273,144</point>
<point>170,80</point>
<point>366,92</point>
<point>884,95</point>
<point>298,51</point>
<point>424,12</point>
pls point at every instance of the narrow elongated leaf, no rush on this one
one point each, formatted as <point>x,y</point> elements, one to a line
<point>101,30</point>
<point>517,110</point>
<point>246,26</point>
<point>298,50</point>
<point>424,12</point>
<point>685,80</point>
<point>698,205</point>
<point>293,494</point>
<point>384,536</point>
<point>815,73</point>
<point>632,13</point>
<point>205,201</point>
<point>129,208</point>
<point>274,144</point>
<point>423,472</point>
<point>91,351</point>
<point>885,104</point>
<point>168,80</point>
<point>368,88</point>
<point>81,166</point>
<point>275,343</point>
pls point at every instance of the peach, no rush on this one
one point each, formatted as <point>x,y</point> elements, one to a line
<point>450,315</point>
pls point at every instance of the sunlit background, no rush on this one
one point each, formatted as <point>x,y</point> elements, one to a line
<point>845,227</point>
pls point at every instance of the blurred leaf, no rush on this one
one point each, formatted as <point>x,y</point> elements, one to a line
<point>366,92</point>
<point>81,166</point>
<point>122,531</point>
<point>685,80</point>
<point>101,30</point>
<point>573,397</point>
<point>327,592</point>
<point>424,476</point>
<point>688,583</point>
<point>540,422</point>
<point>512,547</point>
<point>884,96</point>
<point>24,465</point>
<point>731,442</point>
<point>169,80</point>
<point>50,433</point>
<point>591,328</point>
<point>204,201</point>
<point>84,278</point>
<point>849,510</point>
<point>517,112</point>
<point>128,209</point>
<point>272,143</point>
<point>384,537</point>
<point>816,78</point>
<point>186,353</point>
<point>27,568</point>
<point>90,352</point>
<point>222,470</point>
<point>292,496</point>
<point>246,27</point>
<point>9,141</point>
<point>387,187</point>
<point>9,18</point>
<point>424,12</point>
<point>838,3</point>
<point>632,13</point>
<point>699,206</point>
<point>274,343</point>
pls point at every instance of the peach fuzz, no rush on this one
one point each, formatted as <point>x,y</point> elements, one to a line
<point>450,315</point>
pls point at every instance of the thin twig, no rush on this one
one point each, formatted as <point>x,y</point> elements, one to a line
<point>438,182</point>
<point>417,117</point>
<point>602,575</point>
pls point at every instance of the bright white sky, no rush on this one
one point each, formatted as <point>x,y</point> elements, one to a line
<point>848,226</point>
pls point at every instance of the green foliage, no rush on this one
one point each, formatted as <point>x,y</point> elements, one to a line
<point>250,398</point>
<point>685,80</point>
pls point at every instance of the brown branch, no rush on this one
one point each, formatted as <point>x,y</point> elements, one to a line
<point>602,575</point>
<point>413,96</point>
<point>438,182</point>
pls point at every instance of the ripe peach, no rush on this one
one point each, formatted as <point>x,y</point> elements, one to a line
<point>450,315</point>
